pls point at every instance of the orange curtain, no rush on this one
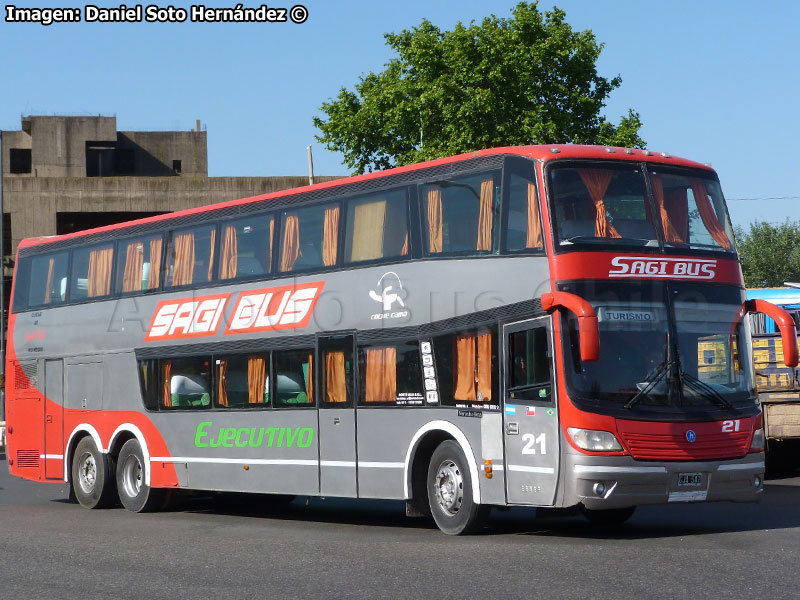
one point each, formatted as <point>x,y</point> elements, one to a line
<point>707,213</point>
<point>256,379</point>
<point>381,385</point>
<point>404,251</point>
<point>230,253</point>
<point>50,272</point>
<point>269,248</point>
<point>486,215</point>
<point>596,181</point>
<point>465,367</point>
<point>167,383</point>
<point>534,237</point>
<point>222,383</point>
<point>99,278</point>
<point>211,257</point>
<point>335,386</point>
<point>484,371</point>
<point>291,242</point>
<point>434,220</point>
<point>330,236</point>
<point>134,259</point>
<point>155,264</point>
<point>473,367</point>
<point>674,214</point>
<point>183,267</point>
<point>310,385</point>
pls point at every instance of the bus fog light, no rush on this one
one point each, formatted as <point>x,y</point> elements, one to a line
<point>599,489</point>
<point>758,440</point>
<point>757,483</point>
<point>595,441</point>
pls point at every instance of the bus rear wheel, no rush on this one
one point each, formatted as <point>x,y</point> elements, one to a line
<point>134,493</point>
<point>450,492</point>
<point>92,475</point>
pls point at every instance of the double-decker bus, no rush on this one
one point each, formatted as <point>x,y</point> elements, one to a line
<point>517,326</point>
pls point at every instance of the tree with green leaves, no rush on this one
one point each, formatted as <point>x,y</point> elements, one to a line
<point>770,254</point>
<point>528,79</point>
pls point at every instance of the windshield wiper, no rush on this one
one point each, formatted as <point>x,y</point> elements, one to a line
<point>706,390</point>
<point>650,382</point>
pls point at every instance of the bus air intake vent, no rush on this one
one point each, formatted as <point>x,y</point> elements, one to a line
<point>28,459</point>
<point>25,375</point>
<point>666,441</point>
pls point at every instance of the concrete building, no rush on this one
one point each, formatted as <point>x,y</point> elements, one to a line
<point>65,174</point>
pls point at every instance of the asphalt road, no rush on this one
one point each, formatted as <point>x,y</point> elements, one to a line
<point>200,549</point>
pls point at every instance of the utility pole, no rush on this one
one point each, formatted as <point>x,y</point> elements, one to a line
<point>310,166</point>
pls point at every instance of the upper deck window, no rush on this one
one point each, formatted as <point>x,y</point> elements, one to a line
<point>246,249</point>
<point>524,231</point>
<point>461,215</point>
<point>377,227</point>
<point>190,258</point>
<point>48,280</point>
<point>309,238</point>
<point>139,264</point>
<point>91,272</point>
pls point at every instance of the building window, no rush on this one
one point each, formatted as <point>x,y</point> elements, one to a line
<point>125,161</point>
<point>20,160</point>
<point>176,166</point>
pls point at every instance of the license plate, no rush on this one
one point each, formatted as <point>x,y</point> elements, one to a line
<point>690,479</point>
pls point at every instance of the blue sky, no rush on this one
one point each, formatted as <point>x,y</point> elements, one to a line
<point>716,82</point>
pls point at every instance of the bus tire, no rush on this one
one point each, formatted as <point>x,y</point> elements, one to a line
<point>450,492</point>
<point>92,475</point>
<point>134,493</point>
<point>614,516</point>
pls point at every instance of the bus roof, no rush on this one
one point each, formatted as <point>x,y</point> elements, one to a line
<point>542,152</point>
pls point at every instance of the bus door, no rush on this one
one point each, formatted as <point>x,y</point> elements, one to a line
<point>530,413</point>
<point>54,419</point>
<point>337,416</point>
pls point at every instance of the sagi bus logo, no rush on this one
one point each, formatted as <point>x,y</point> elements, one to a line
<point>389,295</point>
<point>269,309</point>
<point>663,268</point>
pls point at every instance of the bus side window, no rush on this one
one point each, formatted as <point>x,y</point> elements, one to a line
<point>524,231</point>
<point>461,215</point>
<point>246,247</point>
<point>529,365</point>
<point>242,381</point>
<point>391,374</point>
<point>337,373</point>
<point>377,227</point>
<point>309,238</point>
<point>186,383</point>
<point>139,264</point>
<point>149,383</point>
<point>48,280</point>
<point>190,256</point>
<point>294,382</point>
<point>466,364</point>
<point>91,272</point>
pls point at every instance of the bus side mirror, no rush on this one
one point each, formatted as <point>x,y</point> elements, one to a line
<point>588,327</point>
<point>785,323</point>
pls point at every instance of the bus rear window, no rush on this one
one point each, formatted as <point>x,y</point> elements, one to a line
<point>47,284</point>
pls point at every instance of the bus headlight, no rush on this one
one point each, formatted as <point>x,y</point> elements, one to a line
<point>595,441</point>
<point>758,440</point>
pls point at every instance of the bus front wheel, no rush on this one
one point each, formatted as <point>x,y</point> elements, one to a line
<point>450,492</point>
<point>92,475</point>
<point>134,493</point>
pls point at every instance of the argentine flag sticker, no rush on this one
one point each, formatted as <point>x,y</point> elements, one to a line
<point>511,409</point>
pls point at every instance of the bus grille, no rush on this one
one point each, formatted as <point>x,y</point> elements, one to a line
<point>674,446</point>
<point>28,459</point>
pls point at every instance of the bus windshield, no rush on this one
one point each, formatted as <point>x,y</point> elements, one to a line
<point>665,349</point>
<point>623,205</point>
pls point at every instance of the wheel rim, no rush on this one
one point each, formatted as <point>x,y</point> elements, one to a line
<point>449,487</point>
<point>87,472</point>
<point>132,476</point>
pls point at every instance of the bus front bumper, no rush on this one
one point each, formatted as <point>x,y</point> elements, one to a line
<point>618,482</point>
